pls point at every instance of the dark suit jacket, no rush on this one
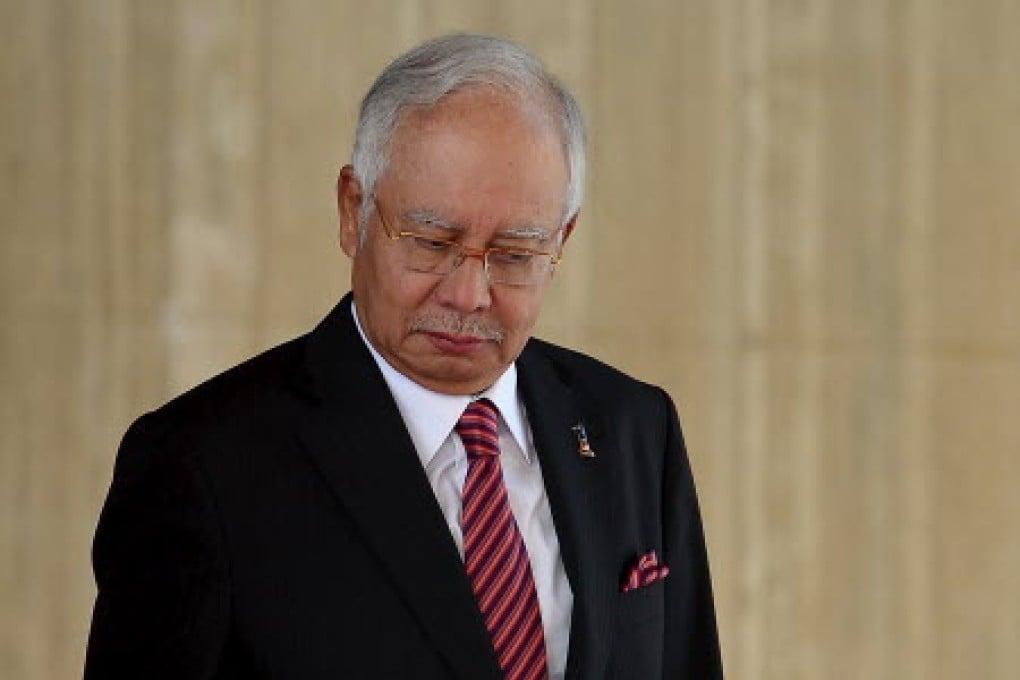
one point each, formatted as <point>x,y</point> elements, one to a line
<point>275,522</point>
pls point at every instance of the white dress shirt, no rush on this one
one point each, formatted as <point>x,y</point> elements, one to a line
<point>430,418</point>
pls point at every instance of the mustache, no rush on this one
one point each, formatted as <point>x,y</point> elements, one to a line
<point>468,326</point>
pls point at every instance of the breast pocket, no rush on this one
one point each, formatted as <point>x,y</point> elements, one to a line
<point>641,605</point>
<point>640,622</point>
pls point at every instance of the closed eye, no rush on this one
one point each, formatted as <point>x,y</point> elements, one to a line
<point>425,243</point>
<point>512,257</point>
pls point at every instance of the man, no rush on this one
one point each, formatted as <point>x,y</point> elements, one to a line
<point>417,489</point>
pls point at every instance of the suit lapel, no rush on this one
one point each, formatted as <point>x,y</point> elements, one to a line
<point>356,436</point>
<point>580,499</point>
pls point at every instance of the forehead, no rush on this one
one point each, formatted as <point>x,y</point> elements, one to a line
<point>477,153</point>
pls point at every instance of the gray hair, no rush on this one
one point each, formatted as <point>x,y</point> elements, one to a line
<point>444,65</point>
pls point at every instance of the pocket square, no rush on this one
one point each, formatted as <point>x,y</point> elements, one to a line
<point>645,571</point>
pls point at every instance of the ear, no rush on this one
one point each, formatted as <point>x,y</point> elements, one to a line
<point>348,203</point>
<point>568,229</point>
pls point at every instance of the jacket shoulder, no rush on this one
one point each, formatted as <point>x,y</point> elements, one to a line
<point>585,373</point>
<point>239,397</point>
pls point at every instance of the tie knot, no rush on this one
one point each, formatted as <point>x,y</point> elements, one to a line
<point>478,428</point>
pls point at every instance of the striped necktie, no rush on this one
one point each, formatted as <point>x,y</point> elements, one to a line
<point>494,553</point>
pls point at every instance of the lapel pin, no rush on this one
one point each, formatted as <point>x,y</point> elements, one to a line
<point>583,445</point>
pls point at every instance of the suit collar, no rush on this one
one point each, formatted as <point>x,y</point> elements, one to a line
<point>430,416</point>
<point>579,491</point>
<point>354,434</point>
<point>356,437</point>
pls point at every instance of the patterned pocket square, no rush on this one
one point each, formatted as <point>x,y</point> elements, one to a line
<point>645,571</point>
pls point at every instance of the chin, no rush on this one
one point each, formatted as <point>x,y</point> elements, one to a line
<point>451,376</point>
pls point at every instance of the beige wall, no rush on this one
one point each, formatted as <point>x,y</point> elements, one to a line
<point>803,220</point>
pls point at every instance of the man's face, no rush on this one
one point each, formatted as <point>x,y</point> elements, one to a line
<point>488,172</point>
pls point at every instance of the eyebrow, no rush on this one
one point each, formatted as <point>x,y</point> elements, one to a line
<point>539,233</point>
<point>429,218</point>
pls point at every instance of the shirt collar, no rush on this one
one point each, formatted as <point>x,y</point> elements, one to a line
<point>430,416</point>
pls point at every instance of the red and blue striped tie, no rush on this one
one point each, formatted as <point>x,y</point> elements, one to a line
<point>494,553</point>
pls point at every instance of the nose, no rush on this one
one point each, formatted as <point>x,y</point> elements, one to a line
<point>466,288</point>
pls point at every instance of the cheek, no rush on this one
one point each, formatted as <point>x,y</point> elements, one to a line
<point>403,291</point>
<point>389,295</point>
<point>518,311</point>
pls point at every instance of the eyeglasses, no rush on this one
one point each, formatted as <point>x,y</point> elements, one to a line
<point>434,254</point>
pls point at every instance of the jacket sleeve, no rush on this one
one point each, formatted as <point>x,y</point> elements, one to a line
<point>691,639</point>
<point>162,607</point>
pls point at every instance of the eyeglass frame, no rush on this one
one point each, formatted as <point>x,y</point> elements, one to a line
<point>467,251</point>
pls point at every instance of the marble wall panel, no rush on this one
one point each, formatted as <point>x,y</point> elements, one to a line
<point>801,220</point>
